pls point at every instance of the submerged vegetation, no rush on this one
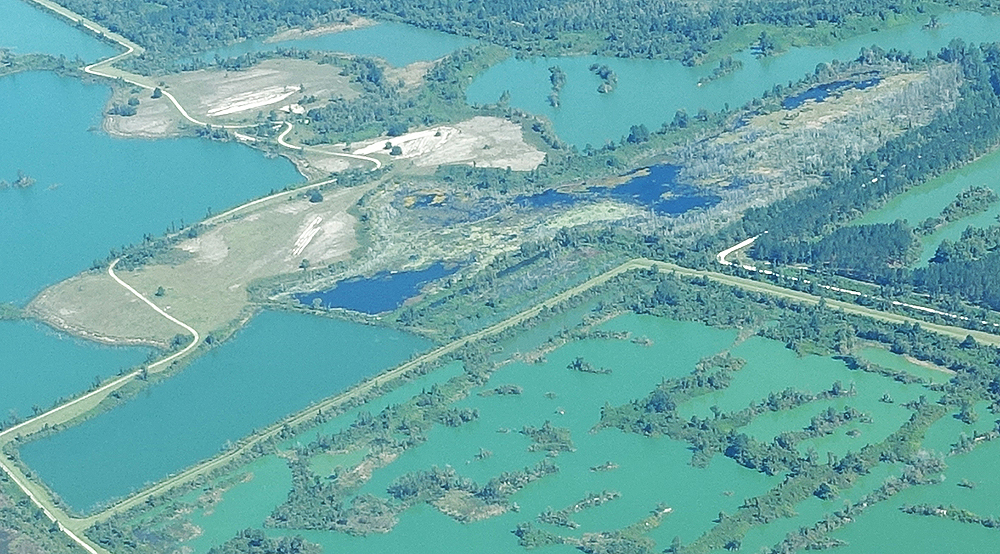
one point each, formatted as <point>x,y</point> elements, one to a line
<point>935,113</point>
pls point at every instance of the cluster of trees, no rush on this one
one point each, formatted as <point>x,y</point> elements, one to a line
<point>561,517</point>
<point>548,438</point>
<point>951,512</point>
<point>253,541</point>
<point>968,202</point>
<point>866,251</point>
<point>388,107</point>
<point>630,28</point>
<point>558,79</point>
<point>22,181</point>
<point>726,66</point>
<point>607,75</point>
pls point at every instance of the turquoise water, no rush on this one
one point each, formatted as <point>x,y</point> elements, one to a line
<point>397,43</point>
<point>651,470</point>
<point>650,91</point>
<point>40,366</point>
<point>933,535</point>
<point>27,29</point>
<point>887,359</point>
<point>928,199</point>
<point>277,365</point>
<point>93,192</point>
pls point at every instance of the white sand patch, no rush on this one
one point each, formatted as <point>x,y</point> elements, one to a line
<point>252,100</point>
<point>484,141</point>
<point>331,240</point>
<point>299,33</point>
<point>306,236</point>
<point>415,144</point>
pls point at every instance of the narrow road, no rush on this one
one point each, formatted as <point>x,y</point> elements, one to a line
<point>637,264</point>
<point>105,69</point>
<point>282,142</point>
<point>72,409</point>
<point>722,256</point>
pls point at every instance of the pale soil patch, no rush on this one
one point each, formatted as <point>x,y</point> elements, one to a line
<point>331,164</point>
<point>928,365</point>
<point>252,100</point>
<point>154,118</point>
<point>412,75</point>
<point>268,85</point>
<point>229,97</point>
<point>463,506</point>
<point>330,28</point>
<point>481,141</point>
<point>208,290</point>
<point>604,211</point>
<point>68,306</point>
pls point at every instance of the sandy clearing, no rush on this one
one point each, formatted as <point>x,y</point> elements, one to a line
<point>328,29</point>
<point>252,100</point>
<point>306,236</point>
<point>154,118</point>
<point>208,289</point>
<point>483,141</point>
<point>415,144</point>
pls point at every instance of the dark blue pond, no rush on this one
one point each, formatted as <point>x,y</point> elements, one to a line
<point>658,190</point>
<point>821,92</point>
<point>381,293</point>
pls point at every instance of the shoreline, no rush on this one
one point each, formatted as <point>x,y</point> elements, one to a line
<point>327,29</point>
<point>928,365</point>
<point>59,325</point>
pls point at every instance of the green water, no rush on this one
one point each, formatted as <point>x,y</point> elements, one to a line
<point>811,510</point>
<point>928,199</point>
<point>651,470</point>
<point>397,43</point>
<point>277,365</point>
<point>267,483</point>
<point>772,367</point>
<point>650,91</point>
<point>887,359</point>
<point>933,535</point>
<point>28,29</point>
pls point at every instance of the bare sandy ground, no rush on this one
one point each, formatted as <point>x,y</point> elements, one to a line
<point>482,141</point>
<point>295,34</point>
<point>226,97</point>
<point>207,290</point>
<point>154,118</point>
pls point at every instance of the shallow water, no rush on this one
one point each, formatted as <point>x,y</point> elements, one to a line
<point>651,470</point>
